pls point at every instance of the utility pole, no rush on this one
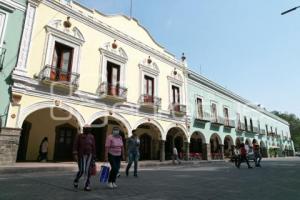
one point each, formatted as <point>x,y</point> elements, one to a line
<point>130,9</point>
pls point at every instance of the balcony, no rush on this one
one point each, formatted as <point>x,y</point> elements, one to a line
<point>229,123</point>
<point>262,132</point>
<point>217,120</point>
<point>2,56</point>
<point>203,117</point>
<point>149,101</point>
<point>241,127</point>
<point>51,74</point>
<point>256,130</point>
<point>271,134</point>
<point>177,109</point>
<point>110,91</point>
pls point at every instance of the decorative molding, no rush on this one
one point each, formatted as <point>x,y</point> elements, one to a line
<point>117,54</point>
<point>11,6</point>
<point>114,33</point>
<point>26,40</point>
<point>151,68</point>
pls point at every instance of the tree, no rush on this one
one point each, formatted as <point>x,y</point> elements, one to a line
<point>294,122</point>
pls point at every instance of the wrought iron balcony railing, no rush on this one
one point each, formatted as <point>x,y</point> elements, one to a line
<point>229,123</point>
<point>113,90</point>
<point>2,56</point>
<point>217,120</point>
<point>256,130</point>
<point>51,73</point>
<point>203,116</point>
<point>240,127</point>
<point>149,101</point>
<point>262,132</point>
<point>177,108</point>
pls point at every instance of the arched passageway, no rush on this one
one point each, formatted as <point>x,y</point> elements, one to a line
<point>176,138</point>
<point>197,146</point>
<point>216,147</point>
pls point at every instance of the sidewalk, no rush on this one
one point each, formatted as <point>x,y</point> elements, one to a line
<point>30,167</point>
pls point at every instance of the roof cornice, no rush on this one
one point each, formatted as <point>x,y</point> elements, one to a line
<point>203,80</point>
<point>116,34</point>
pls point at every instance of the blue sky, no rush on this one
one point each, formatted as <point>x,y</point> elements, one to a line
<point>244,45</point>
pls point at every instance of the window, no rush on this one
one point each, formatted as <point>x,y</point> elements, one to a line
<point>214,111</point>
<point>267,129</point>
<point>271,129</point>
<point>238,119</point>
<point>246,123</point>
<point>176,98</point>
<point>61,63</point>
<point>251,125</point>
<point>199,108</point>
<point>113,78</point>
<point>258,125</point>
<point>226,116</point>
<point>2,25</point>
<point>148,88</point>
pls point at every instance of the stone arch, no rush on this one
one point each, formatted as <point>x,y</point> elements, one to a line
<point>149,121</point>
<point>49,104</point>
<point>106,114</point>
<point>215,146</point>
<point>181,127</point>
<point>200,134</point>
<point>228,146</point>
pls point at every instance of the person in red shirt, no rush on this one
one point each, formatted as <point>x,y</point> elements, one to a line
<point>243,156</point>
<point>84,151</point>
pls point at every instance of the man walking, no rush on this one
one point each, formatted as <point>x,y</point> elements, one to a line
<point>243,156</point>
<point>175,156</point>
<point>257,155</point>
<point>133,146</point>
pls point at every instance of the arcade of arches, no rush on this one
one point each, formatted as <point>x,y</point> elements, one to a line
<point>61,134</point>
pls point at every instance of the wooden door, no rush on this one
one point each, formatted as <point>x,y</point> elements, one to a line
<point>23,143</point>
<point>145,147</point>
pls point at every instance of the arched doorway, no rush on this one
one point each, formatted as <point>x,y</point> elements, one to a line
<point>197,146</point>
<point>58,125</point>
<point>101,128</point>
<point>215,147</point>
<point>150,138</point>
<point>228,146</point>
<point>145,147</point>
<point>175,138</point>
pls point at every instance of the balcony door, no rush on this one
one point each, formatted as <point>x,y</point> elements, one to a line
<point>226,116</point>
<point>113,78</point>
<point>199,108</point>
<point>214,112</point>
<point>176,98</point>
<point>149,89</point>
<point>61,63</point>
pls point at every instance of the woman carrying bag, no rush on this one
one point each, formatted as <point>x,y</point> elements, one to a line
<point>84,151</point>
<point>114,151</point>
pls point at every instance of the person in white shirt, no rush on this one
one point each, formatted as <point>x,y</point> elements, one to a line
<point>43,151</point>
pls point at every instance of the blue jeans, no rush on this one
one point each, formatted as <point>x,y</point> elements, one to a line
<point>115,162</point>
<point>133,157</point>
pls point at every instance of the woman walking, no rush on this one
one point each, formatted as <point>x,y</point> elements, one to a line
<point>114,150</point>
<point>84,152</point>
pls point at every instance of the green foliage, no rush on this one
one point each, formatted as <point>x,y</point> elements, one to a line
<point>294,122</point>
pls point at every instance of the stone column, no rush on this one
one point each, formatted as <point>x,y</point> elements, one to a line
<point>222,151</point>
<point>204,151</point>
<point>187,150</point>
<point>208,153</point>
<point>162,151</point>
<point>9,143</point>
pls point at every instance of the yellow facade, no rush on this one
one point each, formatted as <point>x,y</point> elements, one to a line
<point>91,35</point>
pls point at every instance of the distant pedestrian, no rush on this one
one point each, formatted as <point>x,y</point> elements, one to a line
<point>133,146</point>
<point>84,151</point>
<point>175,156</point>
<point>236,156</point>
<point>43,150</point>
<point>243,156</point>
<point>114,150</point>
<point>257,155</point>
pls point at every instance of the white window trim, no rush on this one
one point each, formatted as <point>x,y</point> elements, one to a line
<point>3,28</point>
<point>196,103</point>
<point>214,102</point>
<point>175,82</point>
<point>224,106</point>
<point>53,36</point>
<point>148,71</point>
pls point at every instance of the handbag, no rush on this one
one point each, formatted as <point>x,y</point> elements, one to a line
<point>104,173</point>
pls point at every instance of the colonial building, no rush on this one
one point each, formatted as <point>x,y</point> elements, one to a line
<point>221,120</point>
<point>78,66</point>
<point>12,15</point>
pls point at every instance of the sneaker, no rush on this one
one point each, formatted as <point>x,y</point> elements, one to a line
<point>75,184</point>
<point>87,188</point>
<point>114,185</point>
<point>110,185</point>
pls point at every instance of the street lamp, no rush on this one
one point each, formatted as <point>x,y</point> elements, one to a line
<point>290,10</point>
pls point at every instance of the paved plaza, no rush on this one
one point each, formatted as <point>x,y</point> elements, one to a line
<point>275,180</point>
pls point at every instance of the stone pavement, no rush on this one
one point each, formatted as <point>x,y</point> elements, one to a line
<point>277,179</point>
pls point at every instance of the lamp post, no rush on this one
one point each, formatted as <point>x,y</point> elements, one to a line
<point>290,10</point>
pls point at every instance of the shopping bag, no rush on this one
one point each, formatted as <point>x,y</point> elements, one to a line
<point>93,169</point>
<point>104,173</point>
